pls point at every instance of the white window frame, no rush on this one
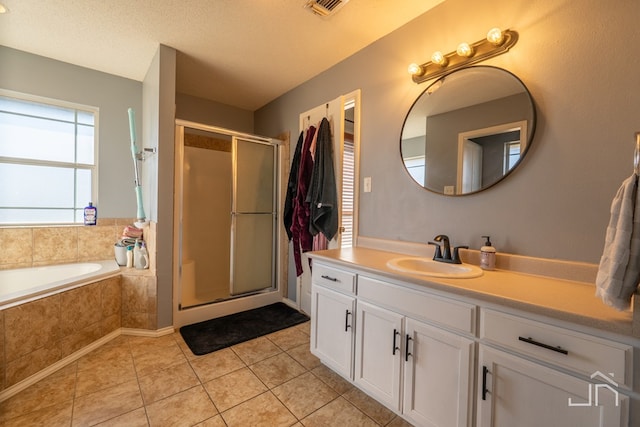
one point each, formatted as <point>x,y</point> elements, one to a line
<point>75,165</point>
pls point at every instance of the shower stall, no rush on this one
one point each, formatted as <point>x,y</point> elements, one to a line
<point>226,229</point>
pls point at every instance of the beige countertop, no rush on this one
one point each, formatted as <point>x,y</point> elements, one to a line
<point>560,299</point>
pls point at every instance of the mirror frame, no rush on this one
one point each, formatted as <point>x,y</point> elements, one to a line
<point>436,85</point>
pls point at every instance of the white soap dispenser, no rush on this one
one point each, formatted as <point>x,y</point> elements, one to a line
<point>487,255</point>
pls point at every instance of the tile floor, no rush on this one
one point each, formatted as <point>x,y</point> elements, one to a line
<point>134,381</point>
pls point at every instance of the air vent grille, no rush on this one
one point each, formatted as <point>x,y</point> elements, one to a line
<point>325,7</point>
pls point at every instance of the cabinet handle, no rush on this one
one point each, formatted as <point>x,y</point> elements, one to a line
<point>346,320</point>
<point>485,371</point>
<point>395,347</point>
<point>407,354</point>
<point>333,279</point>
<point>557,349</point>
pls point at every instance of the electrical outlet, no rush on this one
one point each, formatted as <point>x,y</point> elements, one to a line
<point>367,184</point>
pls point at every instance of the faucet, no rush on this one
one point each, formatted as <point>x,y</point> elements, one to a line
<point>443,253</point>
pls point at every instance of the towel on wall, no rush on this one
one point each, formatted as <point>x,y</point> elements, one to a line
<point>292,187</point>
<point>323,194</point>
<point>619,269</point>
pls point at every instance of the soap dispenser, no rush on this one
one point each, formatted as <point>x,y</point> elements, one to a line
<point>487,255</point>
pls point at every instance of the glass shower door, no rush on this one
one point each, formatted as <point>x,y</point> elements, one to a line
<point>253,216</point>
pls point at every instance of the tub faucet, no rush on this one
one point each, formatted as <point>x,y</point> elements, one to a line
<point>443,253</point>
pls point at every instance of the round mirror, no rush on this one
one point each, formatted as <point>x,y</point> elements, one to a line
<point>468,130</point>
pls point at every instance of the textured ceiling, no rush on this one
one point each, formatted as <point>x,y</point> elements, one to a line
<point>243,53</point>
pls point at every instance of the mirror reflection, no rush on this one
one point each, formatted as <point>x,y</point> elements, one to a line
<point>468,130</point>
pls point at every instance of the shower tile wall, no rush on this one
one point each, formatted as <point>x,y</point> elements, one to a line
<point>37,334</point>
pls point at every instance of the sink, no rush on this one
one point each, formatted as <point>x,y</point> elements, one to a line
<point>429,267</point>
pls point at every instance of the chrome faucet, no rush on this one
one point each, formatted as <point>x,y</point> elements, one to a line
<point>443,253</point>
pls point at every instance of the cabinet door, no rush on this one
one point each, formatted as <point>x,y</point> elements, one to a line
<point>438,376</point>
<point>513,391</point>
<point>379,353</point>
<point>332,320</point>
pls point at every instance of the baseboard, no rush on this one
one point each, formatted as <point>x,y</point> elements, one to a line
<point>40,375</point>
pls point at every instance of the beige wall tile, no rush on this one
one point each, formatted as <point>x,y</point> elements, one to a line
<point>96,242</point>
<point>17,245</point>
<point>2,359</point>
<point>81,338</point>
<point>25,366</point>
<point>31,326</point>
<point>55,244</point>
<point>111,296</point>
<point>134,294</point>
<point>80,308</point>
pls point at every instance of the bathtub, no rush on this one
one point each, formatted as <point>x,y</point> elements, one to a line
<point>27,284</point>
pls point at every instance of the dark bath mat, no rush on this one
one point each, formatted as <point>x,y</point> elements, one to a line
<point>215,334</point>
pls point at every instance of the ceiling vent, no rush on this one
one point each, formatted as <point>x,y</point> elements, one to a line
<point>325,7</point>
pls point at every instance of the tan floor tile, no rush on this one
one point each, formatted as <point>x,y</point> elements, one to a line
<point>55,389</point>
<point>216,421</point>
<point>399,422</point>
<point>338,413</point>
<point>169,381</point>
<point>104,368</point>
<point>186,408</point>
<point>234,388</point>
<point>137,418</point>
<point>106,404</point>
<point>304,327</point>
<point>57,415</point>
<point>157,358</point>
<point>263,410</point>
<point>369,406</point>
<point>303,356</point>
<point>304,394</point>
<point>256,350</point>
<point>277,369</point>
<point>216,364</point>
<point>332,379</point>
<point>288,338</point>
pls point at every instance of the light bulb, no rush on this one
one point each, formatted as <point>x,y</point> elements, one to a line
<point>438,58</point>
<point>464,50</point>
<point>495,36</point>
<point>415,70</point>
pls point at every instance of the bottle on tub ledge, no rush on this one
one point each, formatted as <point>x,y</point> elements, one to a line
<point>140,255</point>
<point>90,214</point>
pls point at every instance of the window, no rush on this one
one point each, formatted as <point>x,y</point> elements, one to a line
<point>48,151</point>
<point>511,155</point>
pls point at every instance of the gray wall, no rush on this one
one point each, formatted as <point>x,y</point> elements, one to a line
<point>37,75</point>
<point>212,113</point>
<point>557,204</point>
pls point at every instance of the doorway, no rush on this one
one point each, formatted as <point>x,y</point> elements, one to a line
<point>226,230</point>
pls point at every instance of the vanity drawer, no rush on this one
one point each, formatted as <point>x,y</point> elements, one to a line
<point>569,349</point>
<point>334,278</point>
<point>418,305</point>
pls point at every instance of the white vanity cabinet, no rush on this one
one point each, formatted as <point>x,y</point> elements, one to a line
<point>418,369</point>
<point>333,306</point>
<point>516,386</point>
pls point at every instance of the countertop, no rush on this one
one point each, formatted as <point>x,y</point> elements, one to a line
<point>565,300</point>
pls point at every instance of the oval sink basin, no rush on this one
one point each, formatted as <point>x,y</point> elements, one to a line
<point>429,267</point>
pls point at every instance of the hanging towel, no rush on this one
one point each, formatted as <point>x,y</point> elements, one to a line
<point>323,195</point>
<point>292,187</point>
<point>619,270</point>
<point>302,238</point>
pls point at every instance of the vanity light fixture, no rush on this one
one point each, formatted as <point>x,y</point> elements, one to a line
<point>496,42</point>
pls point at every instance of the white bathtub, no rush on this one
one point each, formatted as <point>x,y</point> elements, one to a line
<point>26,284</point>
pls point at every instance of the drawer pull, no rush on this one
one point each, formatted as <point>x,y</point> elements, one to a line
<point>333,279</point>
<point>395,347</point>
<point>543,345</point>
<point>346,320</point>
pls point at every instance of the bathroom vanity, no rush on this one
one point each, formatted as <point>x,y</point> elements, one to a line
<point>502,349</point>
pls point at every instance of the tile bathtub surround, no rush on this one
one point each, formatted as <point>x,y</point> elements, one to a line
<point>39,333</point>
<point>34,246</point>
<point>158,381</point>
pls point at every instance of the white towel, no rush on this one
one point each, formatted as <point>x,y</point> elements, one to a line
<point>619,270</point>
